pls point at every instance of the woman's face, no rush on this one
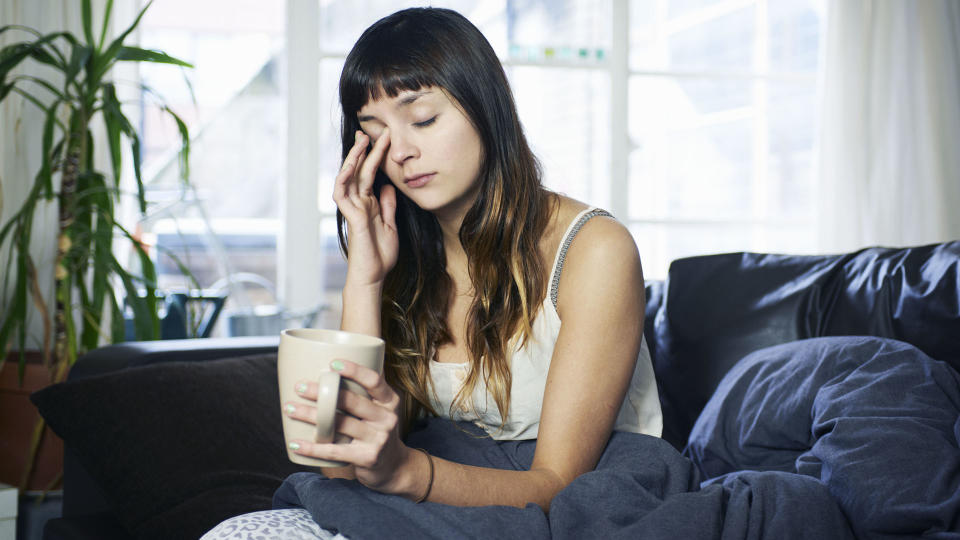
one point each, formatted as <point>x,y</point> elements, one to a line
<point>434,153</point>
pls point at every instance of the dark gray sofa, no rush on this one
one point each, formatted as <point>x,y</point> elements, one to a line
<point>709,313</point>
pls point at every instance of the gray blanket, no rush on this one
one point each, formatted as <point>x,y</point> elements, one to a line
<point>641,488</point>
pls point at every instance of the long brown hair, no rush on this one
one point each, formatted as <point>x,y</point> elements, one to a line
<point>427,47</point>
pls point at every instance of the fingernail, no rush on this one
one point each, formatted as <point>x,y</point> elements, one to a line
<point>289,409</point>
<point>301,388</point>
<point>336,365</point>
<point>294,446</point>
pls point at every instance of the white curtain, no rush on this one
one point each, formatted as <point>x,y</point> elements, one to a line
<point>21,129</point>
<point>889,136</point>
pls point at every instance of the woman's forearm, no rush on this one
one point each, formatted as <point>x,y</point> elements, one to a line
<point>361,314</point>
<point>465,485</point>
<point>361,308</point>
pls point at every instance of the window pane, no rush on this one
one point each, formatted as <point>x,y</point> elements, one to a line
<point>565,115</point>
<point>659,244</point>
<point>333,269</point>
<point>701,39</point>
<point>791,125</point>
<point>794,30</point>
<point>329,132</point>
<point>237,122</point>
<point>342,21</point>
<point>677,8</point>
<point>691,159</point>
<point>559,29</point>
<point>705,172</point>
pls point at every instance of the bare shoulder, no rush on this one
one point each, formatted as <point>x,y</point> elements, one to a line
<point>602,239</point>
<point>602,260</point>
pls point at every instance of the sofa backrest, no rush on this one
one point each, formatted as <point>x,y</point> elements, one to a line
<point>713,310</point>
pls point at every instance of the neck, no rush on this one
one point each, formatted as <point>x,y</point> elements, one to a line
<point>450,220</point>
<point>456,256</point>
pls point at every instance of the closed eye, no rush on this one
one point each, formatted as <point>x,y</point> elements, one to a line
<point>425,123</point>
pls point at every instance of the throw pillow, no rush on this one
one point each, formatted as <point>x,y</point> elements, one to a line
<point>176,447</point>
<point>875,420</point>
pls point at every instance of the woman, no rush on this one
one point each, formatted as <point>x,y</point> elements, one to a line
<point>500,302</point>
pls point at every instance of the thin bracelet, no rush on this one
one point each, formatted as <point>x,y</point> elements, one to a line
<point>430,483</point>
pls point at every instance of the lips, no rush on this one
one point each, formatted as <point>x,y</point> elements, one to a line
<point>418,180</point>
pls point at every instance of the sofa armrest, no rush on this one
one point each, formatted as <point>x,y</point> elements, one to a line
<point>141,353</point>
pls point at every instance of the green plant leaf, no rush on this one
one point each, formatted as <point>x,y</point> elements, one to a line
<point>118,327</point>
<point>12,55</point>
<point>46,85</point>
<point>14,220</point>
<point>11,320</point>
<point>102,247</point>
<point>107,58</point>
<point>184,156</point>
<point>135,150</point>
<point>5,89</point>
<point>19,308</point>
<point>144,307</point>
<point>7,27</point>
<point>27,96</point>
<point>45,177</point>
<point>78,58</point>
<point>149,280</point>
<point>85,11</point>
<point>44,57</point>
<point>136,54</point>
<point>68,37</point>
<point>88,325</point>
<point>112,121</point>
<point>111,107</point>
<point>106,24</point>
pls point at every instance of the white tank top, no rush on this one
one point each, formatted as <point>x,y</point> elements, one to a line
<point>640,412</point>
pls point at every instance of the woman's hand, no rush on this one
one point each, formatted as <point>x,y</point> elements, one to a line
<point>376,451</point>
<point>372,229</point>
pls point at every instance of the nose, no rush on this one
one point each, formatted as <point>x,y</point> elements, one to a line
<point>402,147</point>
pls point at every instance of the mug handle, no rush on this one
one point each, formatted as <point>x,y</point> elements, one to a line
<point>327,393</point>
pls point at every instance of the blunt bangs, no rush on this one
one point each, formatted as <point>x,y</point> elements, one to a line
<point>370,81</point>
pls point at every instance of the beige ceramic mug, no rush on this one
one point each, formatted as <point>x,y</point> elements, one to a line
<point>305,355</point>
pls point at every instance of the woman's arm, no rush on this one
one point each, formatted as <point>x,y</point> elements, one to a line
<point>373,244</point>
<point>372,237</point>
<point>601,304</point>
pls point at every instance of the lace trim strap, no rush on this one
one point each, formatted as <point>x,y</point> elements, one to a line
<point>575,227</point>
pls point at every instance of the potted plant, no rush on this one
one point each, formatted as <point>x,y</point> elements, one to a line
<point>88,277</point>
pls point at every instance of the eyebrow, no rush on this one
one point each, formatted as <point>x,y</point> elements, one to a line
<point>406,100</point>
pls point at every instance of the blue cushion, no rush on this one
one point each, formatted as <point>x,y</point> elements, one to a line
<point>875,420</point>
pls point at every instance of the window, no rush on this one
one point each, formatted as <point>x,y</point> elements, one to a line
<point>234,103</point>
<point>721,126</point>
<point>691,120</point>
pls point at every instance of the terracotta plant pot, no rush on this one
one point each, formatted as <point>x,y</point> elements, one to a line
<point>17,423</point>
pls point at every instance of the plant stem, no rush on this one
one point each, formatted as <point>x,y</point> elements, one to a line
<point>73,164</point>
